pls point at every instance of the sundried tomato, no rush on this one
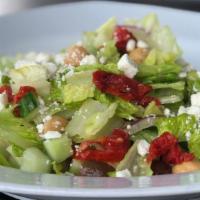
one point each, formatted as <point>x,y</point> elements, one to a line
<point>123,87</point>
<point>22,92</point>
<point>8,90</point>
<point>122,36</point>
<point>166,148</point>
<point>109,149</point>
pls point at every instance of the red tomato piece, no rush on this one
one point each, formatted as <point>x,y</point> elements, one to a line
<point>122,36</point>
<point>161,145</point>
<point>8,90</point>
<point>22,92</point>
<point>109,149</point>
<point>167,148</point>
<point>120,85</point>
<point>147,99</point>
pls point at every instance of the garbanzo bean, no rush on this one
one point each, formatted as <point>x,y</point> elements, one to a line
<point>185,167</point>
<point>74,55</point>
<point>138,55</point>
<point>56,123</point>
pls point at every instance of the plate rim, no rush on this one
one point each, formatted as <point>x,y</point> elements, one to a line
<point>89,192</point>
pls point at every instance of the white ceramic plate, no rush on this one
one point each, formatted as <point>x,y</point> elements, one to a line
<point>51,29</point>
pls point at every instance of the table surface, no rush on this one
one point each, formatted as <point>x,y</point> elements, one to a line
<point>10,6</point>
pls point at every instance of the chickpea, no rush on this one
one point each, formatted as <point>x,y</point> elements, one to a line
<point>185,167</point>
<point>74,55</point>
<point>56,123</point>
<point>138,55</point>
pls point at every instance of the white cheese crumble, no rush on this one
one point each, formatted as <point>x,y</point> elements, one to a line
<point>102,60</point>
<point>59,59</point>
<point>42,58</point>
<point>47,118</point>
<point>192,110</point>
<point>195,99</point>
<point>51,135</point>
<point>51,68</point>
<point>3,100</point>
<point>131,44</point>
<point>182,74</point>
<point>40,128</point>
<point>127,66</point>
<point>142,44</point>
<point>123,173</point>
<point>70,72</point>
<point>188,135</point>
<point>167,112</point>
<point>143,147</point>
<point>88,60</point>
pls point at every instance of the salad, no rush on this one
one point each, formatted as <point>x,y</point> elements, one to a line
<point>122,102</point>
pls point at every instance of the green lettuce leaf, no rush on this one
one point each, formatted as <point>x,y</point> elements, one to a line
<point>111,67</point>
<point>109,53</point>
<point>194,143</point>
<point>178,126</point>
<point>180,85</point>
<point>136,164</point>
<point>193,82</point>
<point>91,118</point>
<point>93,40</point>
<point>79,87</point>
<point>17,131</point>
<point>124,109</point>
<point>35,76</point>
<point>158,70</point>
<point>158,37</point>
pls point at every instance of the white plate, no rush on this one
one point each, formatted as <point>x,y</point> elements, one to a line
<point>54,27</point>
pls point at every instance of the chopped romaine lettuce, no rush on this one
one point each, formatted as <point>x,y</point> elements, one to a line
<point>17,131</point>
<point>180,85</point>
<point>110,67</point>
<point>147,134</point>
<point>168,96</point>
<point>158,70</point>
<point>108,53</point>
<point>79,87</point>
<point>153,109</point>
<point>136,164</point>
<point>89,120</point>
<point>193,82</point>
<point>178,126</point>
<point>124,109</point>
<point>35,76</point>
<point>93,40</point>
<point>159,38</point>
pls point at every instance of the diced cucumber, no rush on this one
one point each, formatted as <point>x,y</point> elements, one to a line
<point>34,160</point>
<point>59,149</point>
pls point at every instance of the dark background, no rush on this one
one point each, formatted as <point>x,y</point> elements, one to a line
<point>18,5</point>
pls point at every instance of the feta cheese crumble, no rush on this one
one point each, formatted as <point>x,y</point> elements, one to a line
<point>88,60</point>
<point>188,135</point>
<point>3,100</point>
<point>51,135</point>
<point>143,147</point>
<point>47,118</point>
<point>194,109</point>
<point>131,44</point>
<point>167,112</point>
<point>127,66</point>
<point>142,44</point>
<point>123,173</point>
<point>195,99</point>
<point>40,128</point>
